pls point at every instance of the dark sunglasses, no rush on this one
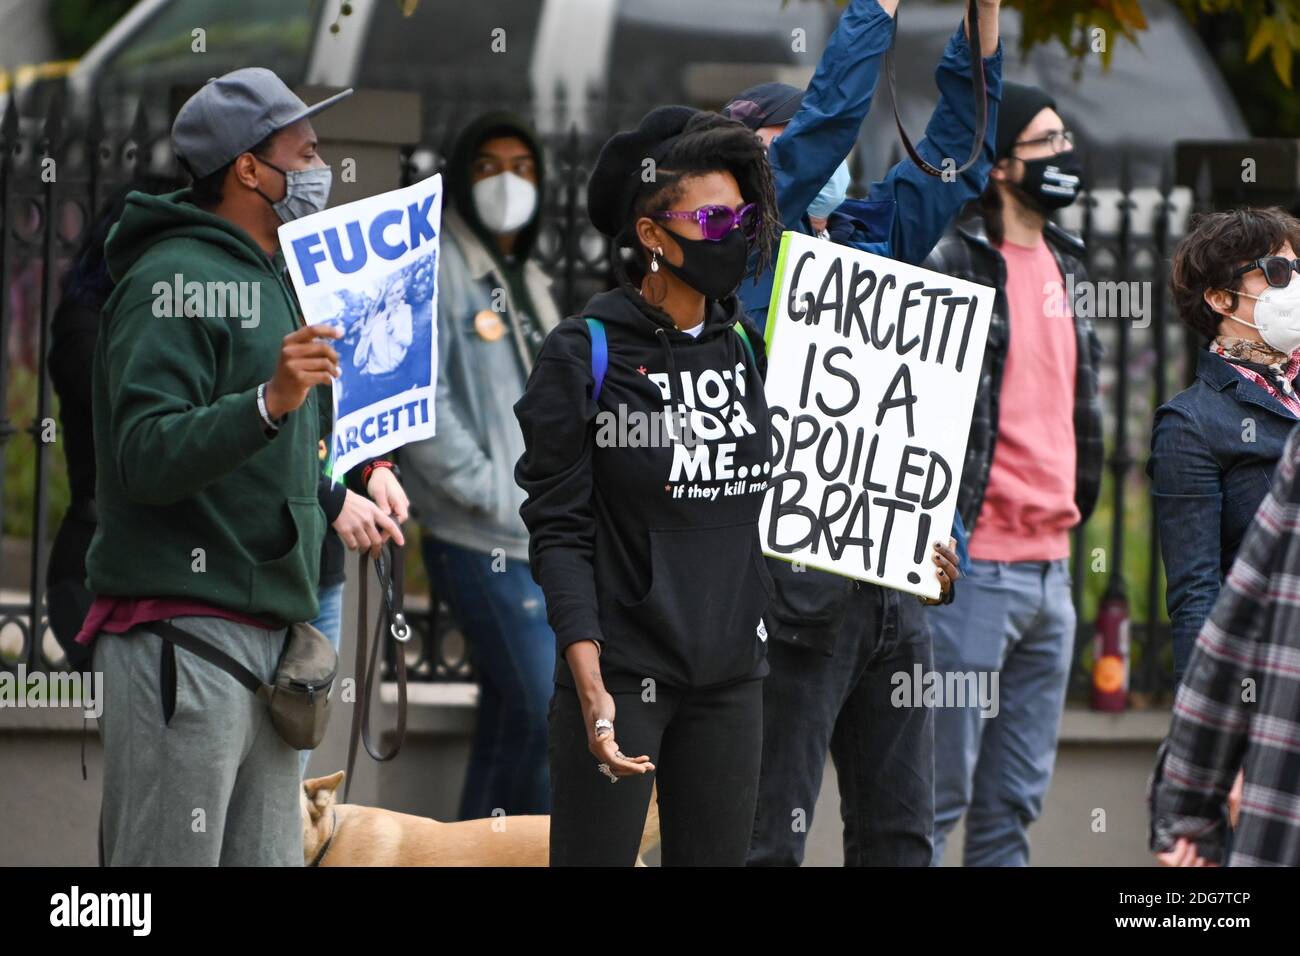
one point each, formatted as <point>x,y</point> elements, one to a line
<point>1277,270</point>
<point>716,222</point>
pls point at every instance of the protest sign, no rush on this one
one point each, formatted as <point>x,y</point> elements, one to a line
<point>872,373</point>
<point>371,268</point>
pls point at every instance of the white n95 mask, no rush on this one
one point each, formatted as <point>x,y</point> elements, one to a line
<point>1277,317</point>
<point>505,202</point>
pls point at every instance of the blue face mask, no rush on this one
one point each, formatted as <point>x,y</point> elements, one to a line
<point>832,194</point>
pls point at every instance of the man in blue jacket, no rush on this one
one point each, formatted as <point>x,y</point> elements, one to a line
<point>836,642</point>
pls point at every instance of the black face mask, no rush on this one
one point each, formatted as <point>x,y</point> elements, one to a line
<point>712,268</point>
<point>1052,182</point>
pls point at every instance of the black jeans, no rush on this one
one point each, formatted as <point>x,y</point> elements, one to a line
<point>884,755</point>
<point>706,746</point>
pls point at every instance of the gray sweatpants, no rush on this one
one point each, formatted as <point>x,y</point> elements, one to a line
<point>216,785</point>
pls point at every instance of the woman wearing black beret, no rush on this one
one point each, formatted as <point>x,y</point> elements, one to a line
<point>646,459</point>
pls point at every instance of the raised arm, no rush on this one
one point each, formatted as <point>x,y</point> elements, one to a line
<point>925,205</point>
<point>836,102</point>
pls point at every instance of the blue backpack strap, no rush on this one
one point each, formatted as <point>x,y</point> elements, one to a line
<point>599,355</point>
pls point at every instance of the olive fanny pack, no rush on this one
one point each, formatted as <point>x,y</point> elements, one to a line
<point>298,697</point>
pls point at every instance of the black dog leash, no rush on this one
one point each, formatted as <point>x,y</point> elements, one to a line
<point>978,85</point>
<point>390,620</point>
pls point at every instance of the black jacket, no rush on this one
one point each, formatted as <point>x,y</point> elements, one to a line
<point>673,584</point>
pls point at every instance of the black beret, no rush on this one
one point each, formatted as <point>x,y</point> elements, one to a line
<point>616,177</point>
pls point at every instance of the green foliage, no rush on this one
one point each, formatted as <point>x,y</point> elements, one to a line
<point>1273,26</point>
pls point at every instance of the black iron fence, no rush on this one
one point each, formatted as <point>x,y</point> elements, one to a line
<point>56,172</point>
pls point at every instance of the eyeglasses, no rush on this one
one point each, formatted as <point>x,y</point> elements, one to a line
<point>1058,140</point>
<point>1277,270</point>
<point>717,222</point>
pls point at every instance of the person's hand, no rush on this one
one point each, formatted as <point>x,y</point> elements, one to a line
<point>948,570</point>
<point>1183,854</point>
<point>386,492</point>
<point>1234,798</point>
<point>598,705</point>
<point>304,363</point>
<point>364,527</point>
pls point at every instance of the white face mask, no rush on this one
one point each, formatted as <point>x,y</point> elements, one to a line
<point>505,202</point>
<point>1277,317</point>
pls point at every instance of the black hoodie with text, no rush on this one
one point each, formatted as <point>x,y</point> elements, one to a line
<point>643,534</point>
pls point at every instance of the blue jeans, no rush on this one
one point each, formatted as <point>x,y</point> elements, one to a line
<point>329,621</point>
<point>841,703</point>
<point>502,614</point>
<point>1015,620</point>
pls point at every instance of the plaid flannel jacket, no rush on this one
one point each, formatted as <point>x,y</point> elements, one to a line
<point>1239,703</point>
<point>966,253</point>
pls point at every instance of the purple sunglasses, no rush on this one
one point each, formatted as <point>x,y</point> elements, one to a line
<point>716,222</point>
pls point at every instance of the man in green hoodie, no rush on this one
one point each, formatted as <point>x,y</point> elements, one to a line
<point>210,397</point>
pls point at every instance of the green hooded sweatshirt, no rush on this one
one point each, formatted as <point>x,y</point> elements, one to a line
<point>195,501</point>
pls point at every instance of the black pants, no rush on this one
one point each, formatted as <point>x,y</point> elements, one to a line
<point>883,754</point>
<point>706,746</point>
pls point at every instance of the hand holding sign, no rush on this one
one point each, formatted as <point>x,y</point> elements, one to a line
<point>305,362</point>
<point>948,571</point>
<point>872,373</point>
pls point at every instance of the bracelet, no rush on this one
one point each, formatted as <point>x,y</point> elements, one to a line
<point>263,411</point>
<point>377,463</point>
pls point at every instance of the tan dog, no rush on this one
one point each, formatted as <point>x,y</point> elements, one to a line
<point>346,834</point>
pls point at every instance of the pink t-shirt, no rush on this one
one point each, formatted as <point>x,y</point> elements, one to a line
<point>1029,507</point>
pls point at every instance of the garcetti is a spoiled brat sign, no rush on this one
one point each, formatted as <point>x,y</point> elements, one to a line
<point>371,268</point>
<point>872,373</point>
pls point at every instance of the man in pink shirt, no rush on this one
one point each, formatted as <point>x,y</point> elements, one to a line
<point>1032,473</point>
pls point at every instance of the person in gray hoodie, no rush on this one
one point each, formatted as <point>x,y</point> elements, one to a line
<point>494,310</point>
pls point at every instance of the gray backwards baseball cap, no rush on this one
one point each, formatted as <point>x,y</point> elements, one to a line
<point>231,114</point>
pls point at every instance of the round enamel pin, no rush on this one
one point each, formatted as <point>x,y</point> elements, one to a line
<point>489,326</point>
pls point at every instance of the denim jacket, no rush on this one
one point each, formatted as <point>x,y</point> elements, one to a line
<point>1214,448</point>
<point>461,481</point>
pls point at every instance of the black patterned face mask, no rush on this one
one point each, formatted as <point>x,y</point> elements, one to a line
<point>1052,182</point>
